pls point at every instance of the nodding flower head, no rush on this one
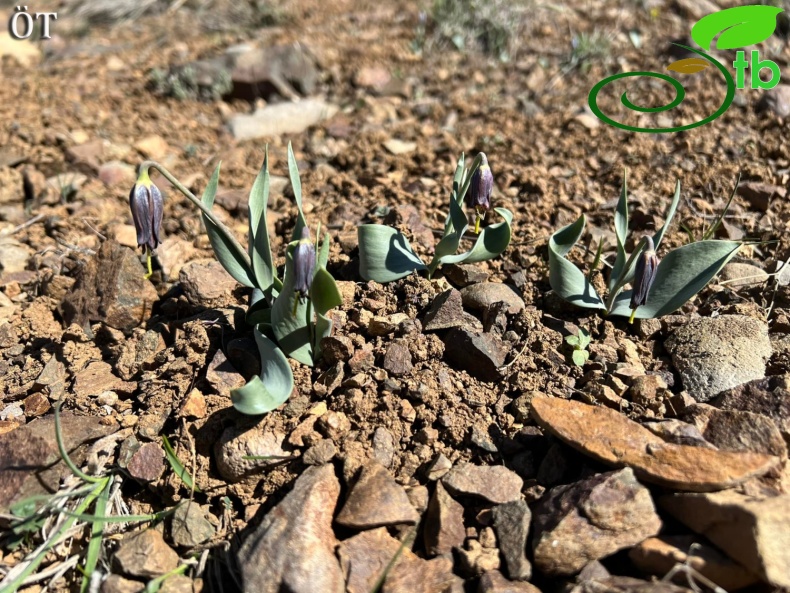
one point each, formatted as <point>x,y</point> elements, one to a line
<point>147,205</point>
<point>304,264</point>
<point>481,187</point>
<point>645,273</point>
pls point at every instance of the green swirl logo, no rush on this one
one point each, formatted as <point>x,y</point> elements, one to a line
<point>736,27</point>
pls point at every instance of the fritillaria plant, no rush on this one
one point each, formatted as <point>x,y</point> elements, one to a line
<point>288,315</point>
<point>658,288</point>
<point>385,254</point>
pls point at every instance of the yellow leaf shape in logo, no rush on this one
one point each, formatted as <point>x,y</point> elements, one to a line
<point>689,65</point>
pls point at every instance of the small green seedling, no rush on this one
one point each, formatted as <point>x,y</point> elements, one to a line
<point>661,288</point>
<point>288,315</point>
<point>579,343</point>
<point>385,254</point>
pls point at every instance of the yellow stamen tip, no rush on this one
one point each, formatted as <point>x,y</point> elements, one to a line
<point>477,225</point>
<point>633,315</point>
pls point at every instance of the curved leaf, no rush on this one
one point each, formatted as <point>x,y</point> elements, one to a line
<point>291,317</point>
<point>385,254</point>
<point>324,293</point>
<point>260,248</point>
<point>267,392</point>
<point>739,26</point>
<point>259,310</point>
<point>566,279</point>
<point>296,184</point>
<point>323,329</point>
<point>682,273</point>
<point>448,246</point>
<point>491,242</point>
<point>227,251</point>
<point>688,65</point>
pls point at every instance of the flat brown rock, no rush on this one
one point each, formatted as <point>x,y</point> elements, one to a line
<point>365,557</point>
<point>611,438</point>
<point>751,530</point>
<point>376,500</point>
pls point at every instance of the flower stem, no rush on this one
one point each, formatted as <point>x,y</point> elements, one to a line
<point>148,261</point>
<point>197,202</point>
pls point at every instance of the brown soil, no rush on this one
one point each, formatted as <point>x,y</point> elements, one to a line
<point>551,163</point>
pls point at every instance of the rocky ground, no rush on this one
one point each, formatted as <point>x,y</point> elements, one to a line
<point>447,441</point>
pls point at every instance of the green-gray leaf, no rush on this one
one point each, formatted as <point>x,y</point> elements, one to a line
<point>296,184</point>
<point>385,254</point>
<point>323,329</point>
<point>324,292</point>
<point>568,281</point>
<point>621,231</point>
<point>323,253</point>
<point>292,330</point>
<point>267,392</point>
<point>260,248</point>
<point>225,248</point>
<point>454,230</point>
<point>325,295</point>
<point>259,310</point>
<point>491,242</point>
<point>681,274</point>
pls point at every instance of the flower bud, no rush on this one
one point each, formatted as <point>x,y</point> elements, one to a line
<point>304,264</point>
<point>480,188</point>
<point>645,273</point>
<point>479,195</point>
<point>147,205</point>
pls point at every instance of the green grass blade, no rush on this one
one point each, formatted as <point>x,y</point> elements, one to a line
<point>97,536</point>
<point>35,562</point>
<point>65,454</point>
<point>93,519</point>
<point>177,466</point>
<point>712,230</point>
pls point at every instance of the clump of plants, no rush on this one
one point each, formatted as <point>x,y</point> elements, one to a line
<point>490,26</point>
<point>85,502</point>
<point>386,255</point>
<point>288,314</point>
<point>187,83</point>
<point>658,287</point>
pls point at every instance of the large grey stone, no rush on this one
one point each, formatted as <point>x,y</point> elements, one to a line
<point>714,354</point>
